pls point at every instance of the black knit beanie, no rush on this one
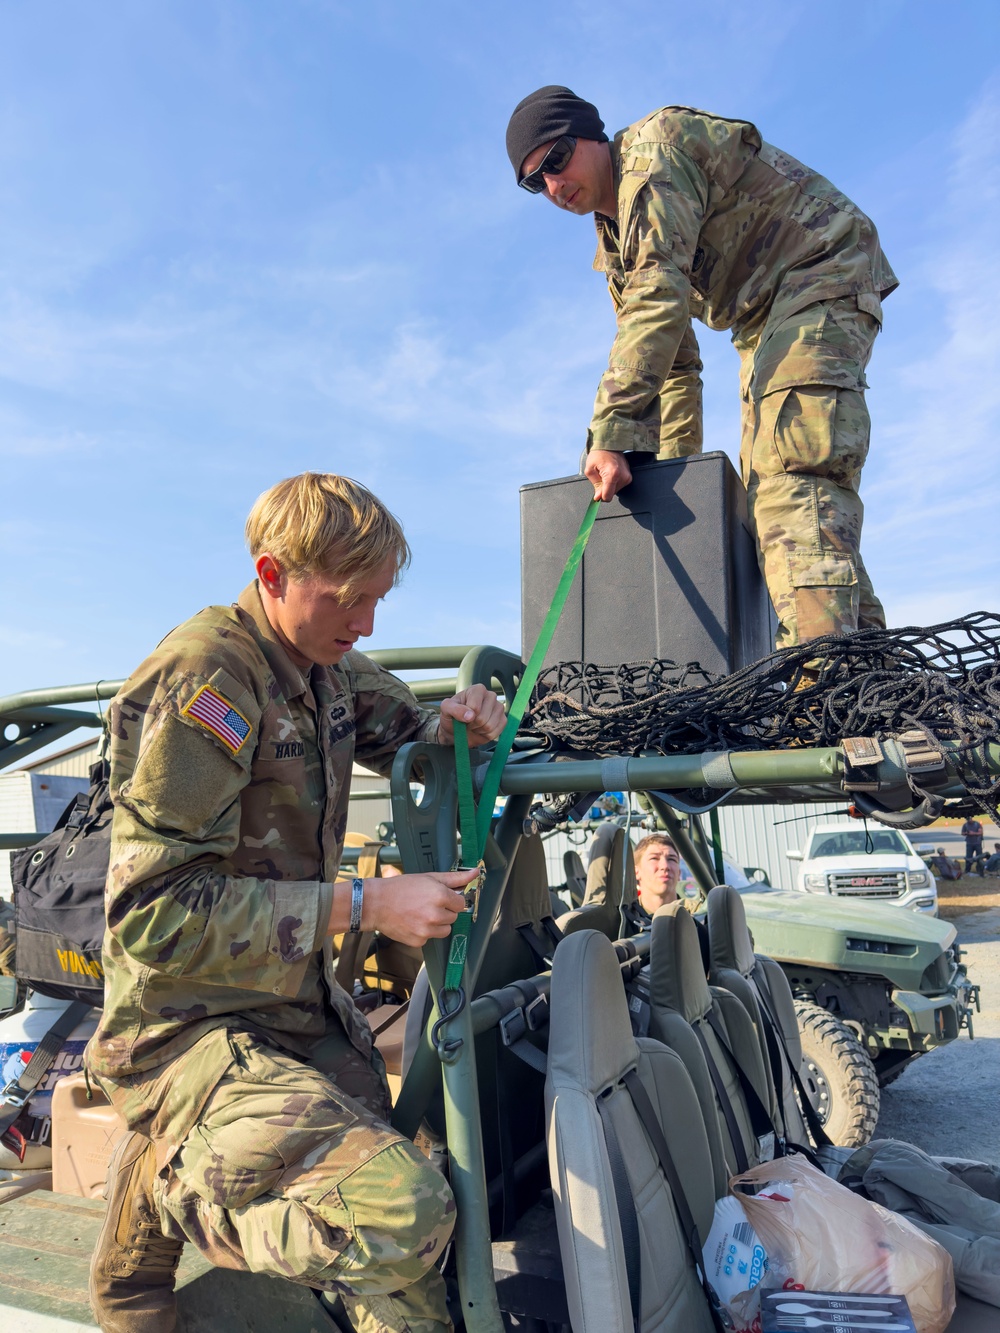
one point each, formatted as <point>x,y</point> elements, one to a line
<point>548,114</point>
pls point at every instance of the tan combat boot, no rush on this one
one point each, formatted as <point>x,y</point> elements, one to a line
<point>134,1264</point>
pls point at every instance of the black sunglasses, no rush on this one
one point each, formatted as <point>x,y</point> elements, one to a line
<point>556,160</point>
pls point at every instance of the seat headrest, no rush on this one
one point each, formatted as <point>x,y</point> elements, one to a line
<point>676,972</point>
<point>607,880</point>
<point>526,898</point>
<point>590,1036</point>
<point>728,934</point>
<point>572,864</point>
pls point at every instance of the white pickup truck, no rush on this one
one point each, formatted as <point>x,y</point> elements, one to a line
<point>873,864</point>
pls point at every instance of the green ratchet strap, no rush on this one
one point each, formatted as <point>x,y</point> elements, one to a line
<point>475,824</point>
<point>458,943</point>
<point>491,783</point>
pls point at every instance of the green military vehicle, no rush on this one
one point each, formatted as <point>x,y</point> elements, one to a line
<point>874,988</point>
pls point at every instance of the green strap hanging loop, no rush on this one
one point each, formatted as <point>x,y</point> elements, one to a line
<point>475,824</point>
<point>491,783</point>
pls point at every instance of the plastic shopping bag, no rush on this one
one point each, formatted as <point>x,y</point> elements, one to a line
<point>820,1236</point>
<point>734,1264</point>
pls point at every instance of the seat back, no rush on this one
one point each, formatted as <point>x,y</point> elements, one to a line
<point>684,1012</point>
<point>524,935</point>
<point>591,1049</point>
<point>731,965</point>
<point>510,1099</point>
<point>576,876</point>
<point>763,989</point>
<point>611,900</point>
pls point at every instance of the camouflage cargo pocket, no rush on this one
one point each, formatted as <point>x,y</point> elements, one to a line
<point>820,569</point>
<point>267,1114</point>
<point>815,429</point>
<point>829,342</point>
<point>826,592</point>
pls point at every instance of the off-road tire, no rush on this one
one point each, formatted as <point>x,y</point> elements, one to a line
<point>838,1075</point>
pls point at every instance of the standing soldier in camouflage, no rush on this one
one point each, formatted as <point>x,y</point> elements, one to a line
<point>698,217</point>
<point>257,1106</point>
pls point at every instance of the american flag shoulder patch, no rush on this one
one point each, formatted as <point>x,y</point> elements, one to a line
<point>217,715</point>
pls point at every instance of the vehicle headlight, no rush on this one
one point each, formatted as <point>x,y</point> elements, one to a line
<point>919,879</point>
<point>814,883</point>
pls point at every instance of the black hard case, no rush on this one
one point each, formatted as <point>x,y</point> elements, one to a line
<point>670,571</point>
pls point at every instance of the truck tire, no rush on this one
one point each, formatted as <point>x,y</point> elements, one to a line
<point>838,1075</point>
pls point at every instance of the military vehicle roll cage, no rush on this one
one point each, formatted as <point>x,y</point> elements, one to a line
<point>423,794</point>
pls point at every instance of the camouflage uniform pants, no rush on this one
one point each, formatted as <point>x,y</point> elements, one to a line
<point>284,1173</point>
<point>805,439</point>
<point>806,432</point>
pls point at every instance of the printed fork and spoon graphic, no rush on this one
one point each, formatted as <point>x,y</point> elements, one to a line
<point>798,1317</point>
<point>795,1314</point>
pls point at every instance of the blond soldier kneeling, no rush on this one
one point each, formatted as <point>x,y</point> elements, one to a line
<point>256,1103</point>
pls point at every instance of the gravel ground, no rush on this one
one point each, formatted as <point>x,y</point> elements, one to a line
<point>946,1101</point>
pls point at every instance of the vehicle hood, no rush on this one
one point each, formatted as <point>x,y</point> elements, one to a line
<point>812,928</point>
<point>861,863</point>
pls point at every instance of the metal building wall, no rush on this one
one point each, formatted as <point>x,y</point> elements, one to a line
<point>29,803</point>
<point>72,763</point>
<point>365,816</point>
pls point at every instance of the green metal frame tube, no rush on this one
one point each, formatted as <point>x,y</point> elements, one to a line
<point>720,866</point>
<point>60,694</point>
<point>12,752</point>
<point>420,659</point>
<point>11,842</point>
<point>467,1170</point>
<point>751,768</point>
<point>432,691</point>
<point>697,833</point>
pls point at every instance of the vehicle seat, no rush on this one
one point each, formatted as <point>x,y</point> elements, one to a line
<point>684,1013</point>
<point>525,934</point>
<point>522,942</point>
<point>576,876</point>
<point>611,900</point>
<point>591,1049</point>
<point>732,965</point>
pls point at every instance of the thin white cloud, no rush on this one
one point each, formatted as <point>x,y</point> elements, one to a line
<point>932,491</point>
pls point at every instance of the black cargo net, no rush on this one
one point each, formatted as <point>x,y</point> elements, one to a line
<point>943,681</point>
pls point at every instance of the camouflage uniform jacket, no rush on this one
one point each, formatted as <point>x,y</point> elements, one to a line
<point>227,835</point>
<point>716,224</point>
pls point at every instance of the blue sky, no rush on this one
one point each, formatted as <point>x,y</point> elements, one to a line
<point>241,239</point>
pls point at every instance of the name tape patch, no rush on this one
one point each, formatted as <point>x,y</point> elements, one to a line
<point>217,715</point>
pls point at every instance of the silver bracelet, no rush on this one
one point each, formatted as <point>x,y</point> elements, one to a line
<point>357,902</point>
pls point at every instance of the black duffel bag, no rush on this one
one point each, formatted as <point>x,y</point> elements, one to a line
<point>59,898</point>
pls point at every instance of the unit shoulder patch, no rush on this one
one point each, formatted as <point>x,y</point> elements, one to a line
<point>216,714</point>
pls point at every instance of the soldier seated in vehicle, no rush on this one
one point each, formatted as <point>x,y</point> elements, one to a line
<point>657,871</point>
<point>256,1104</point>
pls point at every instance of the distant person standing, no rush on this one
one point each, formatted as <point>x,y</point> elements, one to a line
<point>972,832</point>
